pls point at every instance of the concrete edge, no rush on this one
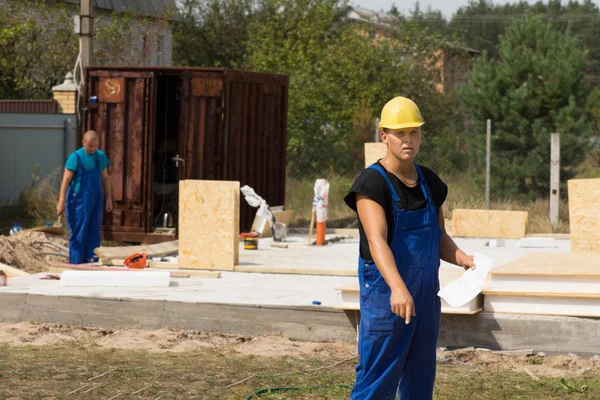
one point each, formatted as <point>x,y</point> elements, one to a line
<point>310,323</point>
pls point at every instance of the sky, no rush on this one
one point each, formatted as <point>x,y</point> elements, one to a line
<point>447,7</point>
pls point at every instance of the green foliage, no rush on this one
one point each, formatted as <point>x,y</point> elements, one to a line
<point>214,33</point>
<point>33,53</point>
<point>481,23</point>
<point>536,88</point>
<point>38,46</point>
<point>340,78</point>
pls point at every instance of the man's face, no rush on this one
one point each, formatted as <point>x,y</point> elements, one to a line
<point>90,146</point>
<point>403,143</point>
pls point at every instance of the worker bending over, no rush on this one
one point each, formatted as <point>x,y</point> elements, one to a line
<point>81,195</point>
<point>402,238</point>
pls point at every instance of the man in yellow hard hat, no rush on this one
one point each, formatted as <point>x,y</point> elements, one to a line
<point>402,238</point>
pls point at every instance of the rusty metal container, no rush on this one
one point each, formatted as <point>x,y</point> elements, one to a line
<point>162,125</point>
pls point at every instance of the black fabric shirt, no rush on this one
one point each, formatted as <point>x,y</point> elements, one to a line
<point>371,184</point>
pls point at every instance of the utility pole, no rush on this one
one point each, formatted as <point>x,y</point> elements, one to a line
<point>488,162</point>
<point>86,31</point>
<point>554,179</point>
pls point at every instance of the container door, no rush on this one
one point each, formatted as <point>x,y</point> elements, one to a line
<point>202,146</point>
<point>123,116</point>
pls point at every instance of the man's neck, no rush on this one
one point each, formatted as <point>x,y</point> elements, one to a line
<point>404,168</point>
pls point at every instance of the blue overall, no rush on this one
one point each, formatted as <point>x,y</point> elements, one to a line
<point>395,357</point>
<point>84,213</point>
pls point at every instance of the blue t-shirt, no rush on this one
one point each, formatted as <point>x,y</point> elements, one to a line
<point>89,163</point>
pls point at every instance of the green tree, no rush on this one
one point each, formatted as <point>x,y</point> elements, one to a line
<point>340,79</point>
<point>214,33</point>
<point>38,46</point>
<point>535,88</point>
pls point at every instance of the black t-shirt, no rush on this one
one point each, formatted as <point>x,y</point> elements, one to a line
<point>373,185</point>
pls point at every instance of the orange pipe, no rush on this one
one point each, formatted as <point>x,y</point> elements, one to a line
<point>321,233</point>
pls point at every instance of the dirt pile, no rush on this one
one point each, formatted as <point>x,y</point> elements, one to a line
<point>21,251</point>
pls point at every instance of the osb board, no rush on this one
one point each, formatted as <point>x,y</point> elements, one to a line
<point>373,152</point>
<point>262,226</point>
<point>584,215</point>
<point>209,215</point>
<point>12,272</point>
<point>552,264</point>
<point>154,250</point>
<point>493,224</point>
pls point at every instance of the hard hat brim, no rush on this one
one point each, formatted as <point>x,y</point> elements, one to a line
<point>401,126</point>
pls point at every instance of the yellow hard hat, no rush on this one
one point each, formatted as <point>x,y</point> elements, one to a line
<point>400,113</point>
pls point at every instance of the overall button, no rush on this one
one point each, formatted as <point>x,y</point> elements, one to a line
<point>366,285</point>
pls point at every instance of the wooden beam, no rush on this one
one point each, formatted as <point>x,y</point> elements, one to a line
<point>584,215</point>
<point>374,152</point>
<point>12,272</point>
<point>493,224</point>
<point>209,215</point>
<point>107,254</point>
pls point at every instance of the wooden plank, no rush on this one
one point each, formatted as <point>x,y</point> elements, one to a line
<point>87,267</point>
<point>534,305</point>
<point>12,272</point>
<point>48,229</point>
<point>107,254</point>
<point>264,269</point>
<point>493,224</point>
<point>374,152</point>
<point>585,265</point>
<point>209,213</point>
<point>526,294</point>
<point>584,215</point>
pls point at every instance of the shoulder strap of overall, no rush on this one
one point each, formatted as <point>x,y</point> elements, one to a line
<point>79,161</point>
<point>393,192</point>
<point>97,159</point>
<point>424,186</point>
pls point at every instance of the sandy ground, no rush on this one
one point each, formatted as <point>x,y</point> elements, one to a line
<point>20,251</point>
<point>166,340</point>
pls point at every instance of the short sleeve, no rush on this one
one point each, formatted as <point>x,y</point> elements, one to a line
<point>439,190</point>
<point>371,184</point>
<point>71,163</point>
<point>104,161</point>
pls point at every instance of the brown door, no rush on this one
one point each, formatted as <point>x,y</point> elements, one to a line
<point>124,119</point>
<point>201,141</point>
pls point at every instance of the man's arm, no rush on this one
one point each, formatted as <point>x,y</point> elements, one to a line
<point>372,217</point>
<point>449,251</point>
<point>64,187</point>
<point>107,187</point>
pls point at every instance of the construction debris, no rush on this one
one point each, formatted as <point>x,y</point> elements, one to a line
<point>21,251</point>
<point>106,254</point>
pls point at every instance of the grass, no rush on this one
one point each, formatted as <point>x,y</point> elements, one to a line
<point>464,192</point>
<point>58,371</point>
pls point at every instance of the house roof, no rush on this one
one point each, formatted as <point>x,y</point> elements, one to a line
<point>360,14</point>
<point>387,21</point>
<point>146,8</point>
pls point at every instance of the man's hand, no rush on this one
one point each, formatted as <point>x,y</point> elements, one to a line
<point>465,261</point>
<point>60,208</point>
<point>402,304</point>
<point>108,205</point>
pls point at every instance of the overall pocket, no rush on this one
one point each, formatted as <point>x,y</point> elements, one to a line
<point>375,309</point>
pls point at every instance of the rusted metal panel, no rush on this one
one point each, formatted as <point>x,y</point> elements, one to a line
<point>256,136</point>
<point>124,129</point>
<point>111,90</point>
<point>233,126</point>
<point>29,106</point>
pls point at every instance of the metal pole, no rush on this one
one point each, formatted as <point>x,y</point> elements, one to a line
<point>554,179</point>
<point>86,31</point>
<point>488,160</point>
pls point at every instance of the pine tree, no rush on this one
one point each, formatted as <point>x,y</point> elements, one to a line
<point>534,89</point>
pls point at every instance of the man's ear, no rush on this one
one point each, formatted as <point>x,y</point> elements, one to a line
<point>383,136</point>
